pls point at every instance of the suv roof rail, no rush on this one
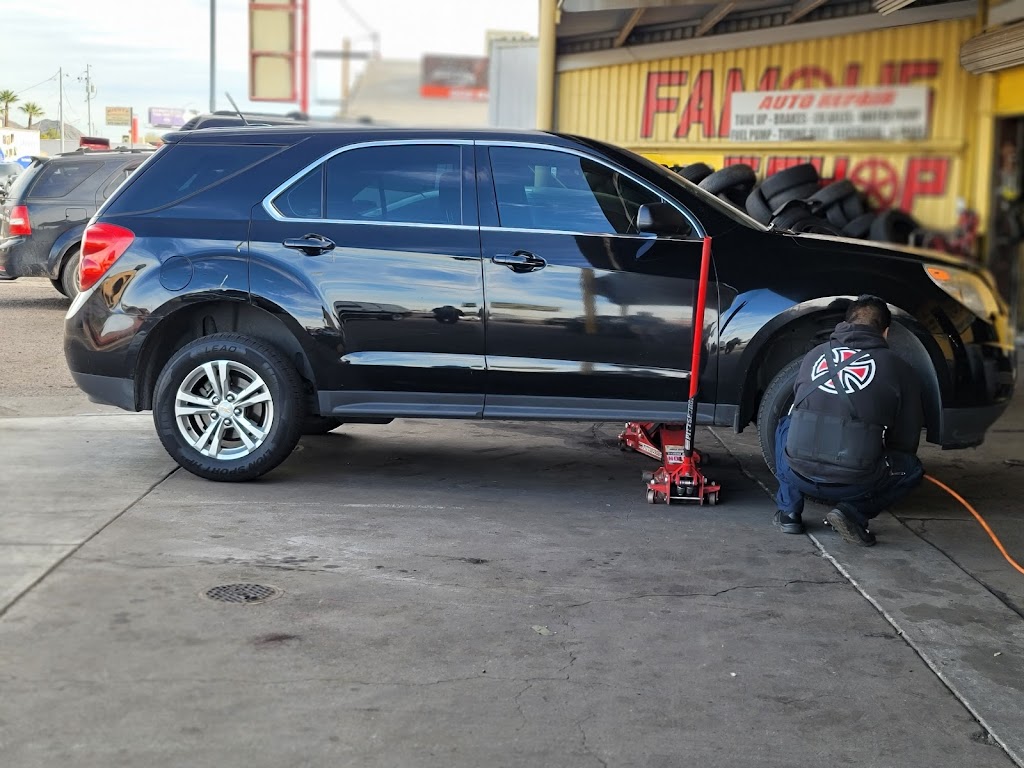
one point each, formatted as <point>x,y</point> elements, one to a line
<point>91,151</point>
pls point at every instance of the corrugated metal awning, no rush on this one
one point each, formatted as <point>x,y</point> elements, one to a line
<point>994,50</point>
<point>594,25</point>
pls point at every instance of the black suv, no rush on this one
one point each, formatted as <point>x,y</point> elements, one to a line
<point>249,285</point>
<point>47,208</point>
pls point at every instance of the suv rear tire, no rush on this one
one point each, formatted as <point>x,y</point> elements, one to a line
<point>228,407</point>
<point>69,274</point>
<point>775,403</point>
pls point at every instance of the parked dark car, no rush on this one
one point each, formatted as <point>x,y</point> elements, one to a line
<point>45,213</point>
<point>249,285</point>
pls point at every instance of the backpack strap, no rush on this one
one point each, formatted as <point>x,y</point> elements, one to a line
<point>834,369</point>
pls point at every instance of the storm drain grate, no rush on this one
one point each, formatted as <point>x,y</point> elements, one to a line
<point>242,593</point>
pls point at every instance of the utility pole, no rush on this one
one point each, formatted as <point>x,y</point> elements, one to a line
<point>60,108</point>
<point>346,52</point>
<point>213,56</point>
<point>90,91</point>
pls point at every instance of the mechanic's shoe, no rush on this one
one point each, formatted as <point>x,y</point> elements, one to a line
<point>788,523</point>
<point>843,523</point>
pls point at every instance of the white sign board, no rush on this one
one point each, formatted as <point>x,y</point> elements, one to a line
<point>832,114</point>
<point>16,144</point>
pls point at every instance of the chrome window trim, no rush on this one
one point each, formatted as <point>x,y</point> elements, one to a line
<point>641,236</point>
<point>694,222</point>
<point>268,204</point>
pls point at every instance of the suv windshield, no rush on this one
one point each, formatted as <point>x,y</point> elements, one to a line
<point>670,179</point>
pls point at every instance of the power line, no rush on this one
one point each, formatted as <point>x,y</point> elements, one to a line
<point>44,82</point>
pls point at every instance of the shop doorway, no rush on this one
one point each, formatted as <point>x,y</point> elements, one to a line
<point>1006,226</point>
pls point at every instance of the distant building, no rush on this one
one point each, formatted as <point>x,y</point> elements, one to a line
<point>388,91</point>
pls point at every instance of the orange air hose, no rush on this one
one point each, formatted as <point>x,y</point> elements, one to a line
<point>981,522</point>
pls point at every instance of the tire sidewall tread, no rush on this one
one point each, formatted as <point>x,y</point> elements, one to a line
<point>282,381</point>
<point>773,404</point>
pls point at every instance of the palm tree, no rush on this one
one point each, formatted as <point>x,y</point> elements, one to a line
<point>31,109</point>
<point>7,98</point>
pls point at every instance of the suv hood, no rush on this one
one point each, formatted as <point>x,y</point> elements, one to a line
<point>874,248</point>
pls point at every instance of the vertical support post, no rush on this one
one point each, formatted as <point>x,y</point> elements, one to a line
<point>346,51</point>
<point>304,56</point>
<point>213,55</point>
<point>698,344</point>
<point>60,105</point>
<point>547,33</point>
<point>88,98</point>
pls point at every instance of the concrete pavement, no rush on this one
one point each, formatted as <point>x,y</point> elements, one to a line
<point>457,594</point>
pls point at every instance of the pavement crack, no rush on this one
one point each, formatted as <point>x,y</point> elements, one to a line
<point>517,700</point>
<point>585,746</point>
<point>76,549</point>
<point>709,594</point>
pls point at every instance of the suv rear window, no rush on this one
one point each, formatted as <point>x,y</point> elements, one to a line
<point>59,178</point>
<point>183,170</point>
<point>24,179</point>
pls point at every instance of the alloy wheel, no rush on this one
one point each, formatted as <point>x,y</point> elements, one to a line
<point>224,409</point>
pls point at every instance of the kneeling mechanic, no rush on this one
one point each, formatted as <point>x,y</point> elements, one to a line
<point>852,435</point>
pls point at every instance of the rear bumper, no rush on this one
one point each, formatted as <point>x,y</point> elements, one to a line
<point>18,260</point>
<point>107,390</point>
<point>966,427</point>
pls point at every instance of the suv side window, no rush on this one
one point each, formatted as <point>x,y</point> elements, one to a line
<point>181,170</point>
<point>117,179</point>
<point>60,178</point>
<point>563,192</point>
<point>405,183</point>
<point>305,198</point>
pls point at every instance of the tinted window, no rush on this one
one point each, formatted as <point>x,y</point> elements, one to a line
<point>405,184</point>
<point>24,179</point>
<point>116,181</point>
<point>544,189</point>
<point>59,178</point>
<point>186,169</point>
<point>305,198</point>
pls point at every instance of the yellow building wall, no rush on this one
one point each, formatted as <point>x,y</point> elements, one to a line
<point>675,111</point>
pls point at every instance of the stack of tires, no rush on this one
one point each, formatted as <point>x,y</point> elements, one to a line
<point>794,200</point>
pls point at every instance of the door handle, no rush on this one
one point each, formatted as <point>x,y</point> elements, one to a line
<point>311,245</point>
<point>520,261</point>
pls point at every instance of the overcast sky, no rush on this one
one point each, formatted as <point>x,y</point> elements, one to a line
<point>156,53</point>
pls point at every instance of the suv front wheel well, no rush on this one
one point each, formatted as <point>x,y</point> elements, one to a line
<point>787,344</point>
<point>196,321</point>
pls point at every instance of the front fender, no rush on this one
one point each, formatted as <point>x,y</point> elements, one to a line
<point>780,331</point>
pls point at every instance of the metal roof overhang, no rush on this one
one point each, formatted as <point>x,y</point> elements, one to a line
<point>600,32</point>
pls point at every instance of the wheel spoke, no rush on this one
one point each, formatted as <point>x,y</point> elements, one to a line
<point>225,377</point>
<point>217,435</point>
<point>254,386</point>
<point>200,443</point>
<point>191,410</point>
<point>191,399</point>
<point>214,380</point>
<point>248,427</point>
<point>261,397</point>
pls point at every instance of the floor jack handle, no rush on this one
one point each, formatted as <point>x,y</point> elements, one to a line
<point>698,344</point>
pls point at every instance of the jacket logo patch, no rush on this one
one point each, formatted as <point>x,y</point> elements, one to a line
<point>853,378</point>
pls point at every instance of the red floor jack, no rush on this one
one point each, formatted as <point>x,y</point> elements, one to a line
<point>679,478</point>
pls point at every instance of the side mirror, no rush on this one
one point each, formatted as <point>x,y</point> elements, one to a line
<point>662,219</point>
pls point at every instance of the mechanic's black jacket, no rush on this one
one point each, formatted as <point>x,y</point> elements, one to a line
<point>886,397</point>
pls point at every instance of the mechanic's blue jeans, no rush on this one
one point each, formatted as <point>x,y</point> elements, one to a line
<point>863,501</point>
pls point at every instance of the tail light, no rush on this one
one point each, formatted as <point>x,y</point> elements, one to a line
<point>102,245</point>
<point>19,223</point>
